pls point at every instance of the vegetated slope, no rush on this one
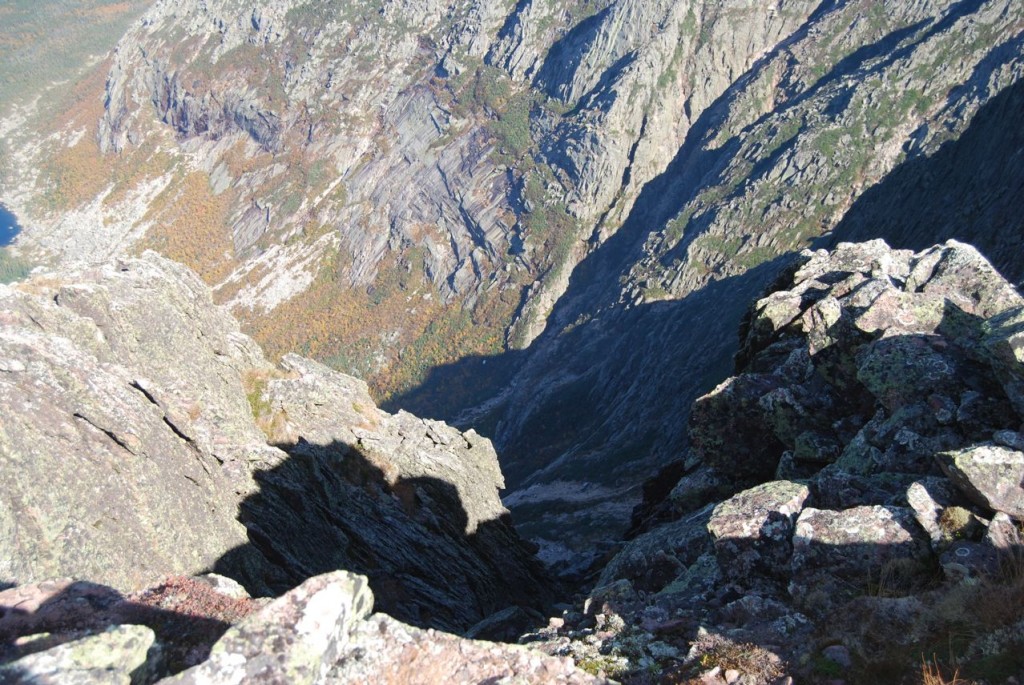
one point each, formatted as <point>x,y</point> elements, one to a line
<point>43,48</point>
<point>413,201</point>
<point>50,44</point>
<point>392,186</point>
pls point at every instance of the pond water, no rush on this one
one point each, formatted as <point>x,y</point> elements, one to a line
<point>8,226</point>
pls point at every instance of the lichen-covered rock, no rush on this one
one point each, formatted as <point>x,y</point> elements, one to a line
<point>931,498</point>
<point>698,487</point>
<point>1004,535</point>
<point>860,371</point>
<point>127,437</point>
<point>969,561</point>
<point>295,639</point>
<point>114,657</point>
<point>323,407</point>
<point>727,428</point>
<point>899,370</point>
<point>382,650</point>
<point>612,598</point>
<point>990,475</point>
<point>752,530</point>
<point>654,559</point>
<point>1004,341</point>
<point>134,445</point>
<point>858,545</point>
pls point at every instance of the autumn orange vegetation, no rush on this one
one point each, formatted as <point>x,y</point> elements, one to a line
<point>341,325</point>
<point>190,226</point>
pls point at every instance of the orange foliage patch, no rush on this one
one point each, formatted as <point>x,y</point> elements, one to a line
<point>345,327</point>
<point>190,226</point>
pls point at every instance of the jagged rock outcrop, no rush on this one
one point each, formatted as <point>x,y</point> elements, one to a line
<point>410,502</point>
<point>872,445</point>
<point>877,526</point>
<point>322,631</point>
<point>127,439</point>
<point>132,448</point>
<point>612,181</point>
<point>773,163</point>
<point>491,149</point>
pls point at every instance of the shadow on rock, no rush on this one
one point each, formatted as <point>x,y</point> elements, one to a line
<point>852,498</point>
<point>84,627</point>
<point>329,507</point>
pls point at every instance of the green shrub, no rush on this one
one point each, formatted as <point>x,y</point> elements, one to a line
<point>12,268</point>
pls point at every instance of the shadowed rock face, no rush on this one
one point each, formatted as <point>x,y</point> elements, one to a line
<point>323,631</point>
<point>869,455</point>
<point>883,481</point>
<point>130,449</point>
<point>409,502</point>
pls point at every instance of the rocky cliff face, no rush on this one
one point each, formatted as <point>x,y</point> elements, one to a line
<point>586,194</point>
<point>132,446</point>
<point>813,137</point>
<point>853,498</point>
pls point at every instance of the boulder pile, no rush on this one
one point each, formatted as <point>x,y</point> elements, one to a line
<point>852,497</point>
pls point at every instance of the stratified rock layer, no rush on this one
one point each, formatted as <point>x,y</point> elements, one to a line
<point>131,448</point>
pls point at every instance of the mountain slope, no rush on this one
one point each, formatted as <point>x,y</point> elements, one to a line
<point>560,208</point>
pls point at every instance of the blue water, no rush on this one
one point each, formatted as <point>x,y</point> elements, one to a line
<point>8,226</point>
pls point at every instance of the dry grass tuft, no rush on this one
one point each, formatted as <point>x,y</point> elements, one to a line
<point>932,673</point>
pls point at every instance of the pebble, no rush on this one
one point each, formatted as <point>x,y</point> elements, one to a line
<point>838,654</point>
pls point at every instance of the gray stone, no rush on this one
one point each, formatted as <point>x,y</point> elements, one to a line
<point>833,551</point>
<point>1004,341</point>
<point>1005,535</point>
<point>148,412</point>
<point>132,408</point>
<point>989,475</point>
<point>752,530</point>
<point>225,586</point>
<point>654,559</point>
<point>969,560</point>
<point>114,657</point>
<point>382,650</point>
<point>613,597</point>
<point>297,638</point>
<point>929,498</point>
<point>839,655</point>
